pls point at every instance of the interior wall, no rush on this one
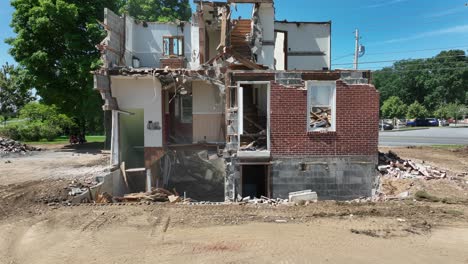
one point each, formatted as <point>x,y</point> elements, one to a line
<point>306,38</point>
<point>132,138</point>
<point>213,42</point>
<point>141,93</point>
<point>208,113</point>
<point>146,42</point>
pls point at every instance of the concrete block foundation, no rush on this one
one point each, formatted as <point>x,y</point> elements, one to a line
<point>333,178</point>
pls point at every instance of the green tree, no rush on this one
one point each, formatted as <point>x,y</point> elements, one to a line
<point>55,41</point>
<point>158,10</point>
<point>394,107</point>
<point>455,110</point>
<point>15,90</point>
<point>441,112</point>
<point>434,81</point>
<point>416,110</point>
<point>41,122</point>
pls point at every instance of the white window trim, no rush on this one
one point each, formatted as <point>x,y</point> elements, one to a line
<point>309,85</point>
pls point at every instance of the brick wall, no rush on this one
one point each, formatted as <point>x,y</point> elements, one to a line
<point>172,63</point>
<point>357,119</point>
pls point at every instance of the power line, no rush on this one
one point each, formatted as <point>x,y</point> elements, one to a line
<point>425,69</point>
<point>400,52</point>
<point>371,62</point>
<point>342,57</point>
<point>407,51</point>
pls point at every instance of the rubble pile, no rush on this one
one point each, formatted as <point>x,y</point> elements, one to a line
<point>262,200</point>
<point>390,165</point>
<point>156,195</point>
<point>11,146</point>
<point>77,187</point>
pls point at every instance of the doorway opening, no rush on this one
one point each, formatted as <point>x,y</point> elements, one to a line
<point>253,100</point>
<point>255,181</point>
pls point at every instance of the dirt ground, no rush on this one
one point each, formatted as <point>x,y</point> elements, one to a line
<point>400,231</point>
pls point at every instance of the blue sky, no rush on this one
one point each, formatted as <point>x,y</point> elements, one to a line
<point>390,29</point>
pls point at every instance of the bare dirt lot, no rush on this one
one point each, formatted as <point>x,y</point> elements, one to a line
<point>400,231</point>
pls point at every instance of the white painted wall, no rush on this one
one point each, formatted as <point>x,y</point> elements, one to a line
<point>267,18</point>
<point>307,37</point>
<point>142,93</point>
<point>206,99</point>
<point>146,43</point>
<point>279,51</point>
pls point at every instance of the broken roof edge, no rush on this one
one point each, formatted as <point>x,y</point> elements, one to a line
<point>304,22</point>
<point>139,21</point>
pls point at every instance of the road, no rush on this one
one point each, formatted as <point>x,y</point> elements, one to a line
<point>431,136</point>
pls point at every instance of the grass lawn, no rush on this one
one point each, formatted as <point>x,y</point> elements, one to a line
<point>448,146</point>
<point>64,140</point>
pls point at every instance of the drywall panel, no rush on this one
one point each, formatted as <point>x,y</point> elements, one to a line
<point>280,56</point>
<point>141,93</point>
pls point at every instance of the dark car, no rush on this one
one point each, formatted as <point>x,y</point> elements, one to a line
<point>432,122</point>
<point>386,126</point>
<point>417,122</point>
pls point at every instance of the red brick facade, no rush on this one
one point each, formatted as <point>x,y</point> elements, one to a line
<point>357,119</point>
<point>172,63</point>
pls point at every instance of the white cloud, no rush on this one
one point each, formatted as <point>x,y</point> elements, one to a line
<point>450,30</point>
<point>385,3</point>
<point>448,12</point>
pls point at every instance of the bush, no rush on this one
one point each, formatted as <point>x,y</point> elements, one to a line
<point>11,131</point>
<point>43,122</point>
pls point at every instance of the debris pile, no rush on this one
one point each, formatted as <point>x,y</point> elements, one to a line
<point>76,188</point>
<point>320,117</point>
<point>390,165</point>
<point>11,146</point>
<point>261,200</point>
<point>156,195</point>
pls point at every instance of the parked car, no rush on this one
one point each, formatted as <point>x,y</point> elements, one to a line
<point>432,122</point>
<point>417,122</point>
<point>386,126</point>
<point>443,122</point>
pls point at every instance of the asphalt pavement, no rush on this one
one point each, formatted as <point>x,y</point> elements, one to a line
<point>431,136</point>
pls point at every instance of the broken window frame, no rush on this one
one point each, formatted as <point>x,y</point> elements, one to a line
<point>169,51</point>
<point>186,111</point>
<point>331,104</point>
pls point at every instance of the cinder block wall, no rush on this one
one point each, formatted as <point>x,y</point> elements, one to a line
<point>333,178</point>
<point>337,165</point>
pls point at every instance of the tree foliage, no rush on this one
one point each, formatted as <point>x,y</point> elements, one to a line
<point>158,10</point>
<point>14,90</point>
<point>416,110</point>
<point>394,107</point>
<point>55,41</point>
<point>41,122</point>
<point>434,82</point>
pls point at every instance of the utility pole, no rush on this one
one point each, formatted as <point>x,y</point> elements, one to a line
<point>356,51</point>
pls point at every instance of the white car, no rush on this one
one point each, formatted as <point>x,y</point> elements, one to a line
<point>443,122</point>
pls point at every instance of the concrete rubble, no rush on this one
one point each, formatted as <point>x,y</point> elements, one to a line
<point>11,146</point>
<point>306,195</point>
<point>390,165</point>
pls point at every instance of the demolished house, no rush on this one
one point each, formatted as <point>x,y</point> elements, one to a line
<point>220,108</point>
